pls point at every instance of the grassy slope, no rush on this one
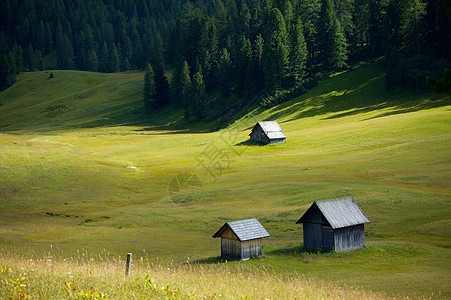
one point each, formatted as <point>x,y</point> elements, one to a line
<point>69,181</point>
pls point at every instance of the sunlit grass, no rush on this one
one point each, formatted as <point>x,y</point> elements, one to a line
<point>77,178</point>
<point>103,277</point>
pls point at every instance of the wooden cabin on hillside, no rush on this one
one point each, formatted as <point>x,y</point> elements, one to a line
<point>335,224</point>
<point>268,132</point>
<point>241,239</point>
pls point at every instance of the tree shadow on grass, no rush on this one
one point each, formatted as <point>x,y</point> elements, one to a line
<point>356,92</point>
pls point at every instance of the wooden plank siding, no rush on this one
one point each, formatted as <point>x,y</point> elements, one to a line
<point>312,236</point>
<point>349,238</point>
<point>234,249</point>
<point>327,238</point>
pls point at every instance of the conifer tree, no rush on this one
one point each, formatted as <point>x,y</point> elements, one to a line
<point>114,59</point>
<point>243,63</point>
<point>331,39</point>
<point>92,62</point>
<point>65,53</point>
<point>275,52</point>
<point>149,88</point>
<point>208,51</point>
<point>186,90</point>
<point>177,84</point>
<point>103,58</point>
<point>198,95</point>
<point>157,55</point>
<point>6,76</point>
<point>162,95</point>
<point>413,14</point>
<point>298,53</point>
<point>393,76</point>
<point>225,72</point>
<point>258,63</point>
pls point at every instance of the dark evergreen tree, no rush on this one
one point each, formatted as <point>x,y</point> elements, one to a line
<point>149,89</point>
<point>393,76</point>
<point>412,24</point>
<point>208,51</point>
<point>177,84</point>
<point>7,77</point>
<point>104,58</point>
<point>331,41</point>
<point>157,52</point>
<point>186,90</point>
<point>309,13</point>
<point>392,26</point>
<point>198,95</point>
<point>441,85</point>
<point>275,52</point>
<point>92,62</point>
<point>257,59</point>
<point>225,72</point>
<point>162,94</point>
<point>113,59</point>
<point>376,14</point>
<point>298,53</point>
<point>65,53</point>
<point>242,65</point>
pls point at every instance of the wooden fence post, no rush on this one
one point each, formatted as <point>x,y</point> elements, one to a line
<point>127,266</point>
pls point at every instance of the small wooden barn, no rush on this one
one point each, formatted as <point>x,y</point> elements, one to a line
<point>241,239</point>
<point>268,132</point>
<point>335,224</point>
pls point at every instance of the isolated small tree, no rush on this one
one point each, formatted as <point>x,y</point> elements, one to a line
<point>51,76</point>
<point>149,88</point>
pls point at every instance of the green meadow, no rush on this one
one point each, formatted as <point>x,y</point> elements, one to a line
<point>83,171</point>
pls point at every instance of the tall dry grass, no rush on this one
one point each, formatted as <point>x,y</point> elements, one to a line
<point>83,276</point>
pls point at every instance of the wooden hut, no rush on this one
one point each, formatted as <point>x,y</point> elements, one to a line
<point>335,224</point>
<point>241,239</point>
<point>268,132</point>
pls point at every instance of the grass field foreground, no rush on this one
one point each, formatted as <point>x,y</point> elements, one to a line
<point>102,277</point>
<point>89,177</point>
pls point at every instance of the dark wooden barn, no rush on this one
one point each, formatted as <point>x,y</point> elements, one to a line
<point>335,224</point>
<point>241,239</point>
<point>268,132</point>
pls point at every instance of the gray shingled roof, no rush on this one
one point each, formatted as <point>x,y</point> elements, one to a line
<point>272,129</point>
<point>268,126</point>
<point>276,135</point>
<point>340,212</point>
<point>244,230</point>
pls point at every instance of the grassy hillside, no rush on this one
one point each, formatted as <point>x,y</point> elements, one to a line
<point>87,177</point>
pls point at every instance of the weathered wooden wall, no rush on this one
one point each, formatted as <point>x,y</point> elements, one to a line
<point>312,236</point>
<point>234,249</point>
<point>257,135</point>
<point>327,238</point>
<point>251,248</point>
<point>349,238</point>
